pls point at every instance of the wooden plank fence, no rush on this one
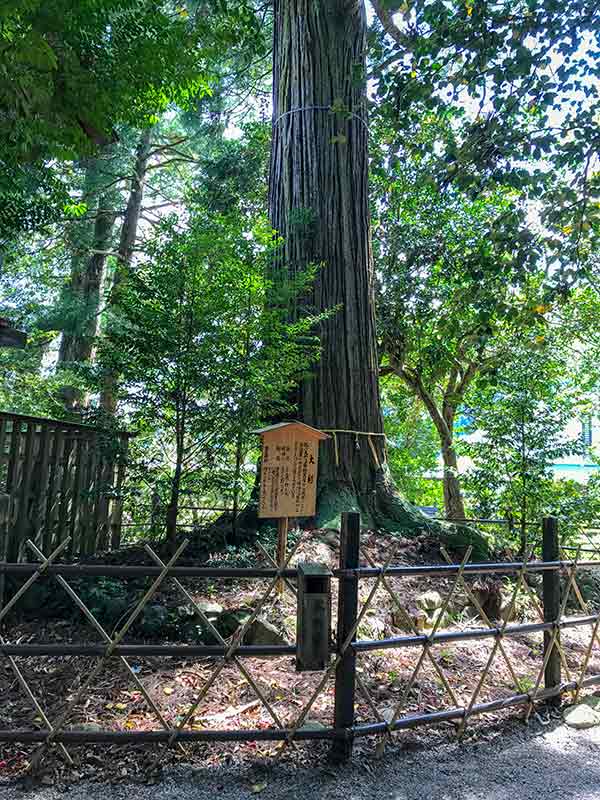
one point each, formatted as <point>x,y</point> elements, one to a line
<point>59,479</point>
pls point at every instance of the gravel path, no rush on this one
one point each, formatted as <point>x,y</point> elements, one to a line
<point>523,765</point>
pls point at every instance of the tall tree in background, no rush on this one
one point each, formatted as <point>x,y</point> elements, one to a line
<point>199,355</point>
<point>319,205</point>
<point>483,124</point>
<point>127,238</point>
<point>73,73</point>
<point>451,298</point>
<point>520,414</point>
<point>90,243</point>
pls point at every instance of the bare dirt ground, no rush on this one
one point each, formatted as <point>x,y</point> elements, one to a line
<point>520,763</point>
<point>173,683</point>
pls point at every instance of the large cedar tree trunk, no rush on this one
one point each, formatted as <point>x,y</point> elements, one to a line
<point>319,205</point>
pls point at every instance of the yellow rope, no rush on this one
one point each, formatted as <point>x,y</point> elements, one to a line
<point>356,433</point>
<point>337,455</point>
<point>372,446</point>
<point>368,434</point>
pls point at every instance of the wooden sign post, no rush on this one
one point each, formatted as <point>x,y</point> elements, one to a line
<point>288,480</point>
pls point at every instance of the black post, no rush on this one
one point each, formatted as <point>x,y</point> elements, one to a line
<point>4,532</point>
<point>345,674</point>
<point>551,598</point>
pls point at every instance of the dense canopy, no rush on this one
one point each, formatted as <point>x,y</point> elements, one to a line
<point>211,220</point>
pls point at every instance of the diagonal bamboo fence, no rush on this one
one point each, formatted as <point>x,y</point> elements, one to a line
<point>347,673</point>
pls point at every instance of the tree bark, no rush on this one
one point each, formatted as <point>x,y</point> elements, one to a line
<point>77,342</point>
<point>443,416</point>
<point>453,499</point>
<point>129,229</point>
<point>134,205</point>
<point>318,200</point>
<point>173,507</point>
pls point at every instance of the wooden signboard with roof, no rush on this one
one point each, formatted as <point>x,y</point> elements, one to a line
<point>288,479</point>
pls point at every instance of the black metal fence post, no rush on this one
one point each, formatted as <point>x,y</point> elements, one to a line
<point>5,507</point>
<point>345,675</point>
<point>551,600</point>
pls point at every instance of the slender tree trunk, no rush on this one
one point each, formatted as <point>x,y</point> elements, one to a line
<point>525,483</point>
<point>453,499</point>
<point>319,204</point>
<point>156,513</point>
<point>173,507</point>
<point>77,342</point>
<point>443,417</point>
<point>129,229</point>
<point>134,205</point>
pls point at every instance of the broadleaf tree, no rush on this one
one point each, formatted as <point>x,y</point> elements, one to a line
<point>519,417</point>
<point>74,72</point>
<point>458,276</point>
<point>524,77</point>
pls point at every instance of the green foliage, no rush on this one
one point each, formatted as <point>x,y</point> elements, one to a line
<point>520,81</point>
<point>106,598</point>
<point>412,446</point>
<point>204,352</point>
<point>447,290</point>
<point>453,294</point>
<point>577,505</point>
<point>30,280</point>
<point>519,415</point>
<point>233,173</point>
<point>484,142</point>
<point>75,70</point>
<point>32,197</point>
<point>25,386</point>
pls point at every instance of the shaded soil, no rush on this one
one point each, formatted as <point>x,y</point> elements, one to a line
<point>521,762</point>
<point>114,702</point>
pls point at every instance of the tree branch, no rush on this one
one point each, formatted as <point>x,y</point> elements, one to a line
<point>415,382</point>
<point>389,26</point>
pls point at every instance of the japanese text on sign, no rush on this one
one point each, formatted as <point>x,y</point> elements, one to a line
<point>288,475</point>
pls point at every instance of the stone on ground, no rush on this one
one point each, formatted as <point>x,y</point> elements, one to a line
<point>410,619</point>
<point>593,701</point>
<point>430,600</point>
<point>229,621</point>
<point>262,632</point>
<point>210,608</point>
<point>312,725</point>
<point>438,614</point>
<point>581,717</point>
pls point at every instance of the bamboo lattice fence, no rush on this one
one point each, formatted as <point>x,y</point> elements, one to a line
<point>556,675</point>
<point>59,480</point>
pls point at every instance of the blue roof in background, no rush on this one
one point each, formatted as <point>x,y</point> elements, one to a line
<point>575,466</point>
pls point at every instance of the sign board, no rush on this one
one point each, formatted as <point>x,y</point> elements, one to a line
<point>288,480</point>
